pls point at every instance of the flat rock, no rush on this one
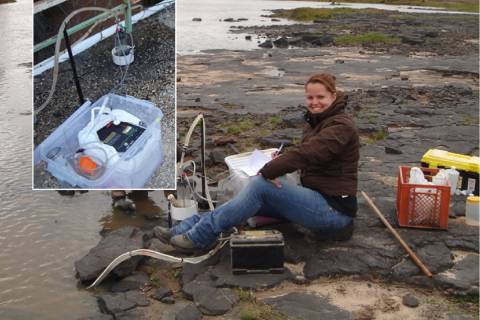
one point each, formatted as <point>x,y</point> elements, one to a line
<point>190,312</point>
<point>410,301</point>
<point>281,42</point>
<point>114,303</point>
<point>294,119</point>
<point>168,300</point>
<point>285,136</point>
<point>267,44</point>
<point>217,156</point>
<point>111,246</point>
<point>306,306</point>
<point>215,301</point>
<point>134,281</point>
<point>223,277</point>
<point>191,288</point>
<point>161,293</point>
<point>462,278</point>
<point>132,314</point>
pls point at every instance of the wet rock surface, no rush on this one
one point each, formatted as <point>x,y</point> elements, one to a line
<point>135,281</point>
<point>442,34</point>
<point>111,246</point>
<point>307,306</point>
<point>462,278</point>
<point>190,312</point>
<point>150,77</point>
<point>118,302</point>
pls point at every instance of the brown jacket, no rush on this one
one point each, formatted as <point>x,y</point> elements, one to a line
<point>328,154</point>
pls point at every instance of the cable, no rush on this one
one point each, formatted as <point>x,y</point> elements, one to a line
<point>57,48</point>
<point>59,40</point>
<point>157,255</point>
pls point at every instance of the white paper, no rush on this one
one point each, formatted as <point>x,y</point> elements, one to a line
<point>255,162</point>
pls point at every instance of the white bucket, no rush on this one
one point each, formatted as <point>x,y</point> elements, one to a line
<point>182,213</point>
<point>118,55</point>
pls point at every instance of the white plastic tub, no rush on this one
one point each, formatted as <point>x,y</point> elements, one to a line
<point>142,158</point>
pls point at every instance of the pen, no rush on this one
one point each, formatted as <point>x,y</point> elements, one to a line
<point>279,149</point>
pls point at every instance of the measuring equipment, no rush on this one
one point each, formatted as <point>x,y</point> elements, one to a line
<point>257,251</point>
<point>112,143</point>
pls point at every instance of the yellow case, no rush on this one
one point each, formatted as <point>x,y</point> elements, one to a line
<point>435,158</point>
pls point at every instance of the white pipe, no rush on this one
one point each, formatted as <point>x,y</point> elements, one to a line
<point>91,41</point>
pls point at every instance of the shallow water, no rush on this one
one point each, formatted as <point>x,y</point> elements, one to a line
<point>213,33</point>
<point>41,232</point>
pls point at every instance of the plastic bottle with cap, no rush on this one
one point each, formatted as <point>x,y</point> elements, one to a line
<point>472,211</point>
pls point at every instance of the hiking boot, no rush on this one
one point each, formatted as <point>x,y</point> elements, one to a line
<point>340,235</point>
<point>182,243</point>
<point>163,233</point>
<point>344,234</point>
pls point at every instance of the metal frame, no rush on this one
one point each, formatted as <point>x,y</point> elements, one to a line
<point>126,8</point>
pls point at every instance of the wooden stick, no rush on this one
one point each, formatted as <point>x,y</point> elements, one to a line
<point>395,233</point>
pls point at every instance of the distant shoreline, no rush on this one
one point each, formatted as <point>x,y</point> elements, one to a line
<point>7,1</point>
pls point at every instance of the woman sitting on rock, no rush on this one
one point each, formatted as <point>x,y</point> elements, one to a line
<point>325,202</point>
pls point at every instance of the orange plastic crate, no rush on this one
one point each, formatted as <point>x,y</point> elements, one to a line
<point>421,206</point>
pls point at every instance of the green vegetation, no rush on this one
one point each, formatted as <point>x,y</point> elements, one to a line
<point>275,120</point>
<point>462,5</point>
<point>245,295</point>
<point>468,302</point>
<point>366,38</point>
<point>377,136</point>
<point>467,120</point>
<point>237,127</point>
<point>256,311</point>
<point>229,105</point>
<point>310,14</point>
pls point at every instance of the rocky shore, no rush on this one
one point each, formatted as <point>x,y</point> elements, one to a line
<point>404,102</point>
<point>151,77</point>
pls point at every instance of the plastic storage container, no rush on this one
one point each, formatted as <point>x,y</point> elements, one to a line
<point>420,205</point>
<point>142,158</point>
<point>467,166</point>
<point>472,211</point>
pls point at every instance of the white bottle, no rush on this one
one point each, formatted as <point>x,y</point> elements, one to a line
<point>472,211</point>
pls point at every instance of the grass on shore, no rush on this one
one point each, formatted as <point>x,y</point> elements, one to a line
<point>464,5</point>
<point>366,38</point>
<point>303,14</point>
<point>311,14</point>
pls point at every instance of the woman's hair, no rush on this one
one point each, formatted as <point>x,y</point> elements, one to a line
<point>328,80</point>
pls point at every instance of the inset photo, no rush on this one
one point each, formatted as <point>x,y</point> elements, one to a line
<point>104,94</point>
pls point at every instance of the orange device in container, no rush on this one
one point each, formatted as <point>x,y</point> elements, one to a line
<point>87,165</point>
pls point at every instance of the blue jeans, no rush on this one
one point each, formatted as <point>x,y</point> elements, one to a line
<point>297,204</point>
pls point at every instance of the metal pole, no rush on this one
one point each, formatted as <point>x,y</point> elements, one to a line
<point>204,169</point>
<point>74,69</point>
<point>128,16</point>
<point>78,27</point>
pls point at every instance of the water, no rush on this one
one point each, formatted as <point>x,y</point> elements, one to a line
<point>213,33</point>
<point>41,232</point>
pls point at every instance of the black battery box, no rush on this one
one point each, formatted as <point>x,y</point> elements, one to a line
<point>120,136</point>
<point>257,251</point>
